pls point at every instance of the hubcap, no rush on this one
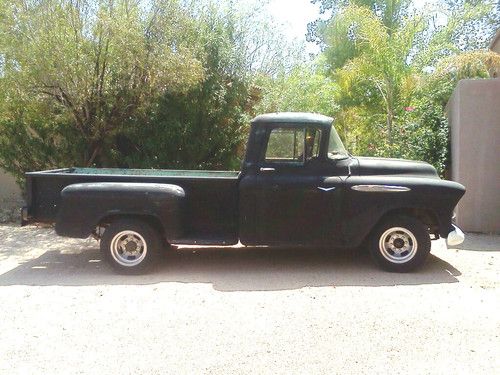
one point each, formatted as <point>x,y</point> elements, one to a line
<point>398,245</point>
<point>128,248</point>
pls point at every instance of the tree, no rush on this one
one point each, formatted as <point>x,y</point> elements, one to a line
<point>380,55</point>
<point>304,89</point>
<point>260,41</point>
<point>204,127</point>
<point>33,138</point>
<point>124,83</point>
<point>390,12</point>
<point>456,26</point>
<point>93,65</point>
<point>377,79</point>
<point>426,133</point>
<point>207,126</point>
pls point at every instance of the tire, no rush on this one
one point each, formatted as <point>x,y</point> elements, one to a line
<point>400,244</point>
<point>130,246</point>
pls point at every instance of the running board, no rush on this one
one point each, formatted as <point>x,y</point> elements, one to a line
<point>205,242</point>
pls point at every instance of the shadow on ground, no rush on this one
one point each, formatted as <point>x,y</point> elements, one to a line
<point>234,269</point>
<point>480,242</point>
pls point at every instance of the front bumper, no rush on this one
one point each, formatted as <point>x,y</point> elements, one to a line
<point>455,237</point>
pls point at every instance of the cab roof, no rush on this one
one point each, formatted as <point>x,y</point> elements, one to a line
<point>293,118</point>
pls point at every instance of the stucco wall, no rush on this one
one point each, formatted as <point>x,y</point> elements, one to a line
<point>10,198</point>
<point>474,114</point>
<point>9,191</point>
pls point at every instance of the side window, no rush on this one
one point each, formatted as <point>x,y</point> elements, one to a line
<point>286,145</point>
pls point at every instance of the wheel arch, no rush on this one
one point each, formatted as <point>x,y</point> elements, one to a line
<point>151,219</point>
<point>427,216</point>
<point>85,206</point>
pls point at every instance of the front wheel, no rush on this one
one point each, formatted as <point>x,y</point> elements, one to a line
<point>400,244</point>
<point>130,246</point>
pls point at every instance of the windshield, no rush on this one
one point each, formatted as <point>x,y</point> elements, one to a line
<point>336,149</point>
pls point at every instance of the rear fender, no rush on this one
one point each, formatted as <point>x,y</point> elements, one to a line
<point>85,205</point>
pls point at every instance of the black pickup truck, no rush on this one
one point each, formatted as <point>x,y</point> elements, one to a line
<point>298,187</point>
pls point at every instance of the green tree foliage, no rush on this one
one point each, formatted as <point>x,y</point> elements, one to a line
<point>94,65</point>
<point>33,138</point>
<point>173,83</point>
<point>160,84</point>
<point>204,127</point>
<point>426,130</point>
<point>470,25</point>
<point>390,12</point>
<point>304,88</point>
<point>207,126</point>
<point>380,54</point>
<point>376,82</point>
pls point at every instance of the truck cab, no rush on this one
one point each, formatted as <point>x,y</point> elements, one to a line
<point>291,185</point>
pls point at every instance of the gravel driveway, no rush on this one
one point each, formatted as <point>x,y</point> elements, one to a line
<point>241,311</point>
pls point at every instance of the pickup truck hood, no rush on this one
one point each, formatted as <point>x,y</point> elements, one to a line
<point>381,166</point>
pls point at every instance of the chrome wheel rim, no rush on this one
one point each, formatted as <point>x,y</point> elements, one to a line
<point>398,245</point>
<point>128,248</point>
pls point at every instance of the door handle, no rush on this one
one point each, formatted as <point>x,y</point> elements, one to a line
<point>262,169</point>
<point>326,189</point>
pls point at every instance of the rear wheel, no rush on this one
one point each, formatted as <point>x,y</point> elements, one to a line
<point>130,246</point>
<point>400,244</point>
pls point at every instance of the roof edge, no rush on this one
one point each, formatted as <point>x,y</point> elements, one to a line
<point>292,117</point>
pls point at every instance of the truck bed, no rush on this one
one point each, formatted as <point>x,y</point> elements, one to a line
<point>211,196</point>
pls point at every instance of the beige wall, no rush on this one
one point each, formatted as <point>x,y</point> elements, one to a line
<point>474,114</point>
<point>9,191</point>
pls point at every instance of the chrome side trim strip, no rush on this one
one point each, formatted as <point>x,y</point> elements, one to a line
<point>380,188</point>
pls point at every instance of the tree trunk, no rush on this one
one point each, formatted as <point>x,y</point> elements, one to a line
<point>390,114</point>
<point>389,128</point>
<point>95,151</point>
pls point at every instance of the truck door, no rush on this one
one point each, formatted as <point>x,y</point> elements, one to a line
<point>288,199</point>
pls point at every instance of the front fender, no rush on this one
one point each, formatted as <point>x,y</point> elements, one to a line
<point>369,198</point>
<point>84,205</point>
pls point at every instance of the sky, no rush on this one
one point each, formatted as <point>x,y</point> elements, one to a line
<point>294,15</point>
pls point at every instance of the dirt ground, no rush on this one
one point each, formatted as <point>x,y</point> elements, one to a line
<point>242,311</point>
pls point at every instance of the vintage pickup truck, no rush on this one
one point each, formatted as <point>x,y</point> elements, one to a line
<point>298,186</point>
